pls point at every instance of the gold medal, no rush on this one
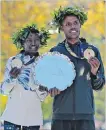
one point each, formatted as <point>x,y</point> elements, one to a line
<point>88,53</point>
<point>16,63</point>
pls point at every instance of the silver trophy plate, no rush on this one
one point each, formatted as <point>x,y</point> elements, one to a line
<point>54,70</point>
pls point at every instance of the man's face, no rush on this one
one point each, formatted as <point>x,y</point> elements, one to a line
<point>32,43</point>
<point>71,27</point>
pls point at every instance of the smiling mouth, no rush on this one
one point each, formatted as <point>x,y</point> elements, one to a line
<point>73,31</point>
<point>33,47</point>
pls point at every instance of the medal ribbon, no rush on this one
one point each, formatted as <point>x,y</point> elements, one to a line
<point>72,53</point>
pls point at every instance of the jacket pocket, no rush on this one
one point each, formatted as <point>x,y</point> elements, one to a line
<point>83,97</point>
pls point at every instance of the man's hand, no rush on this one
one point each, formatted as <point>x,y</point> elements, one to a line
<point>54,91</point>
<point>94,62</point>
<point>43,88</point>
<point>15,72</point>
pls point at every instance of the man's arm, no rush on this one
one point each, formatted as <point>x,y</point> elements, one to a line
<point>98,79</point>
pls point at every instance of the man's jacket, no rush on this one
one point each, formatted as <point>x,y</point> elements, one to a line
<point>77,101</point>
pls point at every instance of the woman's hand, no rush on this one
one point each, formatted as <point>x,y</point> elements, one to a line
<point>43,88</point>
<point>15,72</point>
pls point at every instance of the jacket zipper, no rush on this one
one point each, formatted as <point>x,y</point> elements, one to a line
<point>74,107</point>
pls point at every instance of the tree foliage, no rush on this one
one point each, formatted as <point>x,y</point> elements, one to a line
<point>14,14</point>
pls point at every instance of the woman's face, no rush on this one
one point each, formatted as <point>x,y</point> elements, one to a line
<point>32,43</point>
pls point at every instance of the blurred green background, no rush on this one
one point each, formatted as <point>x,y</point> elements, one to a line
<point>15,14</point>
